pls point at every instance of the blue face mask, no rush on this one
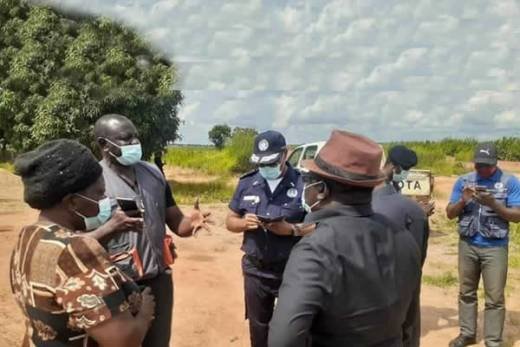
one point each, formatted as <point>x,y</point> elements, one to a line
<point>130,154</point>
<point>104,214</point>
<point>402,176</point>
<point>270,173</point>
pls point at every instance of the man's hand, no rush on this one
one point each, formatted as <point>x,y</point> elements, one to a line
<point>199,219</point>
<point>485,198</point>
<point>119,222</point>
<point>468,194</point>
<point>281,228</point>
<point>251,222</point>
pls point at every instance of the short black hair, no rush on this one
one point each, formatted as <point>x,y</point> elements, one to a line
<point>54,170</point>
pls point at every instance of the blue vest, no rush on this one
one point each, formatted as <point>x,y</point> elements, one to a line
<point>477,218</point>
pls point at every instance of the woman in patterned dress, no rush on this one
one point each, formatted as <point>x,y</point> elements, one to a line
<point>69,291</point>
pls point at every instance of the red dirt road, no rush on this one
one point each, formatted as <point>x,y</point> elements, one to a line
<point>208,284</point>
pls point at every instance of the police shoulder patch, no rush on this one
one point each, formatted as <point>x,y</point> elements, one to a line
<point>250,173</point>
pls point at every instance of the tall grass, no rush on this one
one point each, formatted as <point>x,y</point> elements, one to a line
<point>234,158</point>
<point>208,160</point>
<point>240,147</point>
<point>209,192</point>
<point>7,166</point>
<point>514,249</point>
<point>447,157</point>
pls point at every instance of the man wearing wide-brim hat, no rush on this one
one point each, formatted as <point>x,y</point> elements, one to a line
<point>351,282</point>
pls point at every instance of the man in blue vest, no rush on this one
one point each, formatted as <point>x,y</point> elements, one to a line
<point>484,201</point>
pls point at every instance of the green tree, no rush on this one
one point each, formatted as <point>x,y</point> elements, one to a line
<point>60,72</point>
<point>241,147</point>
<point>219,134</point>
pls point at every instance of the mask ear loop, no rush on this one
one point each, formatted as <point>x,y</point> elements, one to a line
<point>324,192</point>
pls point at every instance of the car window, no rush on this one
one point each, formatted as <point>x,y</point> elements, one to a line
<point>295,157</point>
<point>310,152</point>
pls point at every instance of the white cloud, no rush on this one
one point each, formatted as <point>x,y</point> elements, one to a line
<point>390,69</point>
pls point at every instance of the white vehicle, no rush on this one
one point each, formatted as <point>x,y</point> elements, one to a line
<point>418,185</point>
<point>309,151</point>
<point>304,152</point>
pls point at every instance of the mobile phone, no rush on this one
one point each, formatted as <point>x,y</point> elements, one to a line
<point>269,219</point>
<point>129,206</point>
<point>481,188</point>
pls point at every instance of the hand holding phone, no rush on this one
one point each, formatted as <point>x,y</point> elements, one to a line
<point>130,207</point>
<point>270,219</point>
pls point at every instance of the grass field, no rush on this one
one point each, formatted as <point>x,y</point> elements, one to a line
<point>7,166</point>
<point>219,190</point>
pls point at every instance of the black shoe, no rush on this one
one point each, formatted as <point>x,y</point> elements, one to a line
<point>462,341</point>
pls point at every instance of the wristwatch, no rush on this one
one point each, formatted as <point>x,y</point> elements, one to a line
<point>296,230</point>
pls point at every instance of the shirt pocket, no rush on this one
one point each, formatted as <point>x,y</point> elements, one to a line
<point>249,204</point>
<point>465,227</point>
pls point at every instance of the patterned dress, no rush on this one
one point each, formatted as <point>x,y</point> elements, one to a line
<point>65,284</point>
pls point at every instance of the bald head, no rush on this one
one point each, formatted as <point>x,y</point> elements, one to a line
<point>112,131</point>
<point>111,124</point>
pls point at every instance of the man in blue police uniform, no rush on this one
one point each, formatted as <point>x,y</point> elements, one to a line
<point>484,201</point>
<point>266,208</point>
<point>406,214</point>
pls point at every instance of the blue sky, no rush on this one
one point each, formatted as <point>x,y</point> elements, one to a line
<point>392,70</point>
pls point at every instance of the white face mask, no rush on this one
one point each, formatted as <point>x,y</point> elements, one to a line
<point>308,208</point>
<point>104,214</point>
<point>130,154</point>
<point>402,176</point>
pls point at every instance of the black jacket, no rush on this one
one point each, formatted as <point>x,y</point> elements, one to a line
<point>348,284</point>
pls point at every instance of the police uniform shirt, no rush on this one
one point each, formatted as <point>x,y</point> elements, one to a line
<point>253,195</point>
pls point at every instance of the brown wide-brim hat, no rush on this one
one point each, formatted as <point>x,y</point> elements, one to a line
<point>350,159</point>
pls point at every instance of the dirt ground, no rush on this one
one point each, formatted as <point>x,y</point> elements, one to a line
<point>208,283</point>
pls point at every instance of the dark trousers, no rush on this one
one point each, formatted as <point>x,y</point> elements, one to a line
<point>412,324</point>
<point>162,289</point>
<point>260,294</point>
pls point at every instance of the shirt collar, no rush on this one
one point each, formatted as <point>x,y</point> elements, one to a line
<point>335,210</point>
<point>387,189</point>
<point>494,178</point>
